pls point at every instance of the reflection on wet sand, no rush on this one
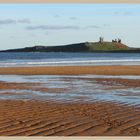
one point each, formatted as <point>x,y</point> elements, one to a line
<point>72,88</point>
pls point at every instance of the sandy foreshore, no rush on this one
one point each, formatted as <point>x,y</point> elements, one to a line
<point>34,118</point>
<point>49,118</point>
<point>72,70</point>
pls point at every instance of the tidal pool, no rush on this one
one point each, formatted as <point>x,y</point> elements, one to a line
<point>81,88</point>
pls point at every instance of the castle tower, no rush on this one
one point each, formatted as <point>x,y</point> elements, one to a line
<point>119,40</point>
<point>101,39</point>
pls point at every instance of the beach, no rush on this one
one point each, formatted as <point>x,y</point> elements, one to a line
<point>33,118</point>
<point>39,117</point>
<point>72,70</point>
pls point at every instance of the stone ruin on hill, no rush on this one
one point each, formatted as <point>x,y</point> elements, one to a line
<point>117,41</point>
<point>101,40</point>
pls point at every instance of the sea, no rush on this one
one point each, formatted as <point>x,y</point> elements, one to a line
<point>67,59</point>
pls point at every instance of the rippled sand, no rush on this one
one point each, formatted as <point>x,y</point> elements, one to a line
<point>36,116</point>
<point>33,118</point>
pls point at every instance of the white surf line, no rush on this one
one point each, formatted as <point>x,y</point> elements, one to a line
<point>71,62</point>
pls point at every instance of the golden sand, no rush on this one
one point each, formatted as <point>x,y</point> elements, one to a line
<point>34,118</point>
<point>72,70</point>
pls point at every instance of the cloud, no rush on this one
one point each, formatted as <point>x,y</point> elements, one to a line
<point>123,13</point>
<point>7,21</point>
<point>116,13</point>
<point>72,18</point>
<point>53,27</point>
<point>106,25</point>
<point>93,27</point>
<point>13,21</point>
<point>12,37</point>
<point>128,13</point>
<point>26,21</point>
<point>57,16</point>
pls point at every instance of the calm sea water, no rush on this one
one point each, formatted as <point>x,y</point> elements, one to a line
<point>59,58</point>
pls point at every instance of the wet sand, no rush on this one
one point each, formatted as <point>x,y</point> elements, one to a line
<point>49,118</point>
<point>34,118</point>
<point>72,70</point>
<point>118,81</point>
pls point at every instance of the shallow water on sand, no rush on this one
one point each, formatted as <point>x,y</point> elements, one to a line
<point>83,88</point>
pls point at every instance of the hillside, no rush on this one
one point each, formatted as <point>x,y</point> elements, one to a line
<point>106,46</point>
<point>80,47</point>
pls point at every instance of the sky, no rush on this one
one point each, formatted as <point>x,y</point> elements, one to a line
<point>27,25</point>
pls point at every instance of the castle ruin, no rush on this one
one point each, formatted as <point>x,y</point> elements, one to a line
<point>117,41</point>
<point>101,40</point>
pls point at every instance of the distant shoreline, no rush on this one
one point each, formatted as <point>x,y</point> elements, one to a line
<point>124,51</point>
<point>97,47</point>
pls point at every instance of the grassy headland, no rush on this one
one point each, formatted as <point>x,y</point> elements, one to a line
<point>80,47</point>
